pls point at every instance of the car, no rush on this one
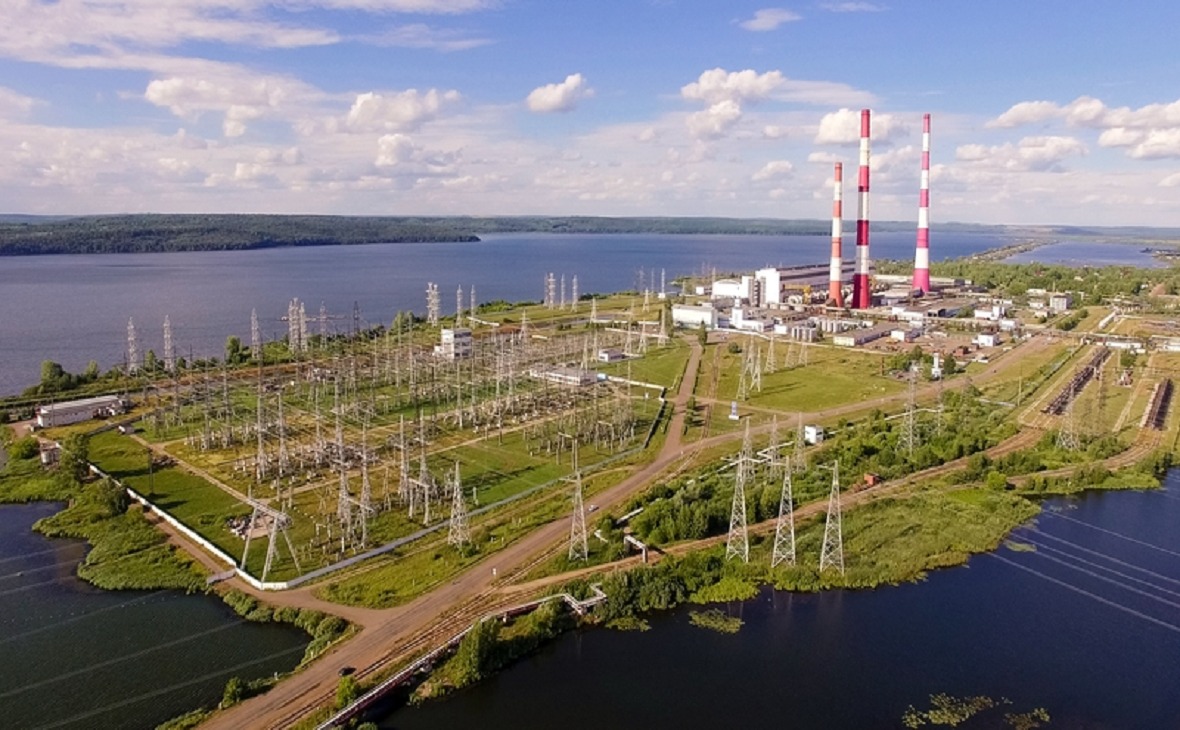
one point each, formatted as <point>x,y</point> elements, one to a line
<point>591,508</point>
<point>347,671</point>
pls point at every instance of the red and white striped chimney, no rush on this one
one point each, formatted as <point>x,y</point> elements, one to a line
<point>836,271</point>
<point>922,254</point>
<point>861,298</point>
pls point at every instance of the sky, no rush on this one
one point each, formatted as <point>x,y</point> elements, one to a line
<point>1046,112</point>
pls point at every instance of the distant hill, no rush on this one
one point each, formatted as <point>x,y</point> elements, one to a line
<point>30,235</point>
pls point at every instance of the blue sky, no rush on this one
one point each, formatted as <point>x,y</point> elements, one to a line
<point>1043,112</point>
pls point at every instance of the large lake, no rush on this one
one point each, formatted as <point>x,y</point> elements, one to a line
<point>74,656</point>
<point>1087,628</point>
<point>72,309</point>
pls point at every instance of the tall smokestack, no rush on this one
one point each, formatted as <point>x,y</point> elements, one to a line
<point>861,298</point>
<point>835,293</point>
<point>922,254</point>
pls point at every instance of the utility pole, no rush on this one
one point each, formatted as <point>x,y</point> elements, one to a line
<point>784,526</point>
<point>738,541</point>
<point>832,552</point>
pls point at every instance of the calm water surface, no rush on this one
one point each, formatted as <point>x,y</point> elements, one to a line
<point>857,660</point>
<point>73,656</point>
<point>1084,253</point>
<point>72,309</point>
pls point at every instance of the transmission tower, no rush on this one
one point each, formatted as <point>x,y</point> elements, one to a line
<point>579,550</point>
<point>458,534</point>
<point>459,307</point>
<point>663,283</point>
<point>260,455</point>
<point>832,552</point>
<point>738,540</point>
<point>169,351</point>
<point>574,294</point>
<point>550,291</point>
<point>561,301</point>
<point>323,324</point>
<point>132,348</point>
<point>284,456</point>
<point>1067,437</point>
<point>771,361</point>
<point>593,310</point>
<point>255,336</point>
<point>908,440</point>
<point>366,505</point>
<point>471,309</point>
<point>775,459</point>
<point>784,526</point>
<point>343,502</point>
<point>432,304</point>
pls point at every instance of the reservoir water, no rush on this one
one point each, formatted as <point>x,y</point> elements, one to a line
<point>74,656</point>
<point>1087,627</point>
<point>71,309</point>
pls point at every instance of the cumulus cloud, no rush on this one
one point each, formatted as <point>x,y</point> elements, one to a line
<point>716,121</point>
<point>1149,132</point>
<point>769,19</point>
<point>562,97</point>
<point>394,149</point>
<point>240,98</point>
<point>403,111</point>
<point>773,169</point>
<point>826,158</point>
<point>1040,154</point>
<point>843,128</point>
<point>717,85</point>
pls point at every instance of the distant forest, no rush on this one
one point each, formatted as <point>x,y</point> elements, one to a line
<point>30,235</point>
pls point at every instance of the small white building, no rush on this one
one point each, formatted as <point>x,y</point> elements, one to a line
<point>743,319</point>
<point>987,339</point>
<point>856,338</point>
<point>455,344</point>
<point>611,354</point>
<point>936,367</point>
<point>813,435</point>
<point>575,377</point>
<point>76,411</point>
<point>1060,302</point>
<point>904,335</point>
<point>733,289</point>
<point>694,315</point>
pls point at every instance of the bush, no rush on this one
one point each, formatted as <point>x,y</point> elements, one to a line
<point>25,448</point>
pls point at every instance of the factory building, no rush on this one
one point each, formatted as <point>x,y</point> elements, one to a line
<point>694,315</point>
<point>76,411</point>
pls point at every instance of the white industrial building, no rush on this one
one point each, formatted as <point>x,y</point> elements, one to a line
<point>1060,302</point>
<point>694,315</point>
<point>565,376</point>
<point>76,411</point>
<point>856,338</point>
<point>455,344</point>
<point>748,320</point>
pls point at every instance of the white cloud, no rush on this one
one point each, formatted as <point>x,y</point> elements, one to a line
<point>403,111</point>
<point>774,131</point>
<point>843,128</point>
<point>1120,137</point>
<point>769,19</point>
<point>826,158</point>
<point>1171,181</point>
<point>562,97</point>
<point>717,85</point>
<point>14,103</point>
<point>716,121</point>
<point>773,169</point>
<point>394,149</point>
<point>1157,144</point>
<point>1026,112</point>
<point>240,98</point>
<point>1041,154</point>
<point>853,7</point>
<point>419,35</point>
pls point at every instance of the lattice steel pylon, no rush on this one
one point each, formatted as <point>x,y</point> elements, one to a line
<point>832,552</point>
<point>737,543</point>
<point>255,336</point>
<point>775,462</point>
<point>459,306</point>
<point>132,348</point>
<point>771,360</point>
<point>784,526</point>
<point>574,294</point>
<point>1067,437</point>
<point>908,439</point>
<point>579,549</point>
<point>169,350</point>
<point>458,533</point>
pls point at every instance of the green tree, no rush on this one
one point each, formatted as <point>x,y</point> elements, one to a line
<point>702,334</point>
<point>75,457</point>
<point>235,690</point>
<point>151,363</point>
<point>233,350</point>
<point>347,690</point>
<point>92,371</point>
<point>51,372</point>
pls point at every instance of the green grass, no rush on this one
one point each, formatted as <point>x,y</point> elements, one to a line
<point>661,366</point>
